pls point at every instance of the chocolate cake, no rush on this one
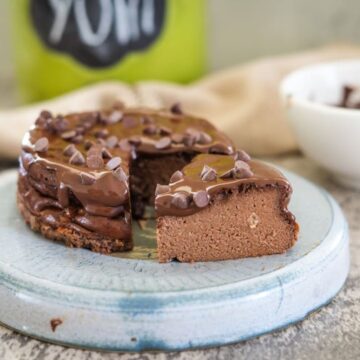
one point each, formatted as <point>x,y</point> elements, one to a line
<point>224,207</point>
<point>83,176</point>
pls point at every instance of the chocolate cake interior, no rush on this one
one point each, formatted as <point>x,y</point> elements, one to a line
<point>146,171</point>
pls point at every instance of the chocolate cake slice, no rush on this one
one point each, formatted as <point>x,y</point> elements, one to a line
<point>82,176</point>
<point>224,207</point>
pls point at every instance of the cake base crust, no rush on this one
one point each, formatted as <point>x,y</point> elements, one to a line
<point>70,236</point>
<point>245,224</point>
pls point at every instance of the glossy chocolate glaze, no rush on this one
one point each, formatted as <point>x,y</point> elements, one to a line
<point>55,185</point>
<point>263,175</point>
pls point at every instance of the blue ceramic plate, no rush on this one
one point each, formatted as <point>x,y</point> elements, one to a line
<point>130,302</point>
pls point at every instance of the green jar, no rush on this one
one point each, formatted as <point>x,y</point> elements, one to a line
<point>61,45</point>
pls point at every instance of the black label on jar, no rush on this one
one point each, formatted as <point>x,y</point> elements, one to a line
<point>98,33</point>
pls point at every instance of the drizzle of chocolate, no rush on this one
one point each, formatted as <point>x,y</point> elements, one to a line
<point>192,184</point>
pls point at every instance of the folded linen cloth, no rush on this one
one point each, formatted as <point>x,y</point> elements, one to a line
<point>243,101</point>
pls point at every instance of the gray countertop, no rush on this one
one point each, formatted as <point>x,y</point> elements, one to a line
<point>332,332</point>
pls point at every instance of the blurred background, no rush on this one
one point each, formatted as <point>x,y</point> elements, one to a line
<point>235,32</point>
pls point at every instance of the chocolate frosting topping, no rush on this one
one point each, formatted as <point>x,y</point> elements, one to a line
<point>84,159</point>
<point>197,190</point>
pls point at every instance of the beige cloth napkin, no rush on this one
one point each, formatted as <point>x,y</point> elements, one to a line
<point>243,101</point>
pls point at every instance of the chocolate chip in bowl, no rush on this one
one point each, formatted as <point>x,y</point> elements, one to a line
<point>321,104</point>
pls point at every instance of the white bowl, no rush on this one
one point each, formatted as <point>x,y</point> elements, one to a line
<point>327,134</point>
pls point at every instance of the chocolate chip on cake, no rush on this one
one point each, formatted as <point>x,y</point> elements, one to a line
<point>113,163</point>
<point>135,140</point>
<point>129,121</point>
<point>77,139</point>
<point>176,176</point>
<point>150,129</point>
<point>176,109</point>
<point>181,200</point>
<point>204,138</point>
<point>227,174</point>
<point>95,161</point>
<point>106,154</point>
<point>146,120</point>
<point>124,145</point>
<point>80,130</point>
<point>42,145</point>
<point>46,114</point>
<point>177,138</point>
<point>163,143</point>
<point>208,173</point>
<point>67,135</point>
<point>114,117</point>
<point>201,198</point>
<point>112,141</point>
<point>101,142</point>
<point>102,134</point>
<point>87,179</point>
<point>189,140</point>
<point>61,124</point>
<point>88,144</point>
<point>242,155</point>
<point>165,130</point>
<point>77,158</point>
<point>161,189</point>
<point>242,170</point>
<point>70,150</point>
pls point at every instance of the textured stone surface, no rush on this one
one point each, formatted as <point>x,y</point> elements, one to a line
<point>331,333</point>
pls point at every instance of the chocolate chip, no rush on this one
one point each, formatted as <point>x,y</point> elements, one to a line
<point>80,130</point>
<point>113,163</point>
<point>67,135</point>
<point>163,143</point>
<point>70,150</point>
<point>177,138</point>
<point>101,142</point>
<point>193,132</point>
<point>161,189</point>
<point>165,130</point>
<point>61,124</point>
<point>120,174</point>
<point>95,161</point>
<point>176,109</point>
<point>189,140</point>
<point>114,117</point>
<point>89,120</point>
<point>150,129</point>
<point>41,123</point>
<point>181,200</point>
<point>42,145</point>
<point>124,145</point>
<point>77,159</point>
<point>96,149</point>
<point>87,179</point>
<point>46,114</point>
<point>102,133</point>
<point>106,154</point>
<point>204,138</point>
<point>146,120</point>
<point>77,139</point>
<point>88,144</point>
<point>135,140</point>
<point>176,176</point>
<point>112,141</point>
<point>242,170</point>
<point>129,122</point>
<point>242,155</point>
<point>208,173</point>
<point>201,198</point>
<point>227,174</point>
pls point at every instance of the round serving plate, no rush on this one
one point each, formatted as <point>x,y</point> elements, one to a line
<point>131,302</point>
